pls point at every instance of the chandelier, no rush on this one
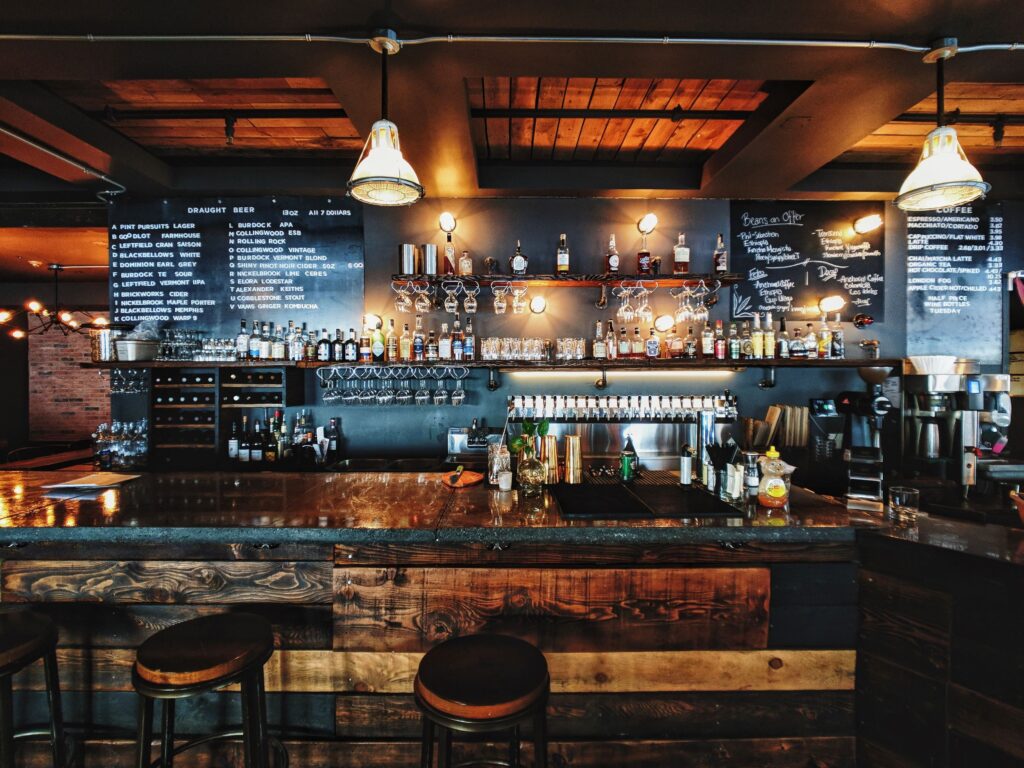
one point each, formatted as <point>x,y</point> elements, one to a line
<point>56,317</point>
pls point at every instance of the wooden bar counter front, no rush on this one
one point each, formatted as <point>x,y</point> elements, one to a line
<point>697,642</point>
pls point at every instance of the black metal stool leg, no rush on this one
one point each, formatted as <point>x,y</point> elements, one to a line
<point>262,737</point>
<point>56,710</point>
<point>167,735</point>
<point>540,738</point>
<point>144,733</point>
<point>513,749</point>
<point>427,748</point>
<point>6,723</point>
<point>444,747</point>
<point>254,721</point>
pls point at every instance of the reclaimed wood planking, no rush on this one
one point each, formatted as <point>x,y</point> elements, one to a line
<point>410,609</point>
<point>134,581</point>
<point>321,671</point>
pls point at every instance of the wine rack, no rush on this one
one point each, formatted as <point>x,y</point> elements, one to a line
<point>255,393</point>
<point>183,408</point>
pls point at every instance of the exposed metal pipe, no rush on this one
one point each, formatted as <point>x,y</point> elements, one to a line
<point>89,171</point>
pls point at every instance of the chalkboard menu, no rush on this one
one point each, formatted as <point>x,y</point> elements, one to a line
<point>792,254</point>
<point>954,283</point>
<point>207,264</point>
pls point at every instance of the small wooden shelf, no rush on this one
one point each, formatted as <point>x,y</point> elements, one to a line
<point>574,280</point>
<point>184,426</point>
<point>184,386</point>
<point>626,365</point>
<point>179,406</point>
<point>252,405</point>
<point>253,386</point>
<point>193,364</point>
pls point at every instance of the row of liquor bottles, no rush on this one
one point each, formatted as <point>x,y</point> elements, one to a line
<point>253,445</point>
<point>232,378</point>
<point>744,341</point>
<point>228,398</point>
<point>646,262</point>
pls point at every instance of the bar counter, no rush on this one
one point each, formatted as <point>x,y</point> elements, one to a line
<point>668,640</point>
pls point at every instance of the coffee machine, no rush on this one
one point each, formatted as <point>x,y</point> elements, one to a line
<point>954,422</point>
<point>865,413</point>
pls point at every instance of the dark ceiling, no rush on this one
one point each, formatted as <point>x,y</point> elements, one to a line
<point>826,123</point>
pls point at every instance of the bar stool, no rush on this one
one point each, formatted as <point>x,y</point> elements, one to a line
<point>196,657</point>
<point>481,684</point>
<point>24,639</point>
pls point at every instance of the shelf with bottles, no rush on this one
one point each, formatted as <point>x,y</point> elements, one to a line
<point>206,364</point>
<point>572,279</point>
<point>594,364</point>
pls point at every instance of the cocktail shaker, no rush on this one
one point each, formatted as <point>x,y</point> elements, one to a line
<point>411,259</point>
<point>573,460</point>
<point>429,251</point>
<point>549,457</point>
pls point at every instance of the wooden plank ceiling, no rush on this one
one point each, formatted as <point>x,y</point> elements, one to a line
<point>612,139</point>
<point>196,134</point>
<point>25,252</point>
<point>902,140</point>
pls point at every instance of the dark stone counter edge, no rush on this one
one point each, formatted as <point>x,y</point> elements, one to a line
<point>235,535</point>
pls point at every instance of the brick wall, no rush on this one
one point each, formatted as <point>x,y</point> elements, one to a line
<point>66,401</point>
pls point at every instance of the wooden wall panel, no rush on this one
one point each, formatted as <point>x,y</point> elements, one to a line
<point>710,715</point>
<point>986,720</point>
<point>406,609</point>
<point>107,669</point>
<point>182,582</point>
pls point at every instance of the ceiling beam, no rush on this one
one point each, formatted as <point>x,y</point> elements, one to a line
<point>50,120</point>
<point>576,178</point>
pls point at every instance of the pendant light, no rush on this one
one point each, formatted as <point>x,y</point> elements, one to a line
<point>59,318</point>
<point>383,176</point>
<point>943,177</point>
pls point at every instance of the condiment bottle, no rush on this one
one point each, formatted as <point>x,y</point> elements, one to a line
<point>772,491</point>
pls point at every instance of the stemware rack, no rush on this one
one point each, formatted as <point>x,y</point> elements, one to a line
<point>402,385</point>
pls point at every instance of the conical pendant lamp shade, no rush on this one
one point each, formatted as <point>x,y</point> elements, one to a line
<point>943,177</point>
<point>382,175</point>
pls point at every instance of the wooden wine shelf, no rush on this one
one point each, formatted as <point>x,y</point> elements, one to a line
<point>192,364</point>
<point>184,426</point>
<point>253,405</point>
<point>252,386</point>
<point>178,406</point>
<point>624,365</point>
<point>574,280</point>
<point>184,386</point>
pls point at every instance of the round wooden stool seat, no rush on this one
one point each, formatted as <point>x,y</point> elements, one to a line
<point>482,677</point>
<point>24,637</point>
<point>205,649</point>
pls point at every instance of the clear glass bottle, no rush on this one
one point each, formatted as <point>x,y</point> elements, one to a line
<point>652,346</point>
<point>444,344</point>
<point>637,346</point>
<point>681,257</point>
<point>797,347</point>
<point>625,348</point>
<point>458,346</point>
<point>610,344</point>
<point>784,345</point>
<point>465,264</point>
<point>757,339</point>
<point>838,339</point>
<point>469,341</point>
<point>266,344</point>
<point>277,345</point>
<point>824,338</point>
<point>690,345</point>
<point>391,342</point>
<point>599,347</point>
<point>707,341</point>
<point>531,472</point>
<point>242,348</point>
<point>518,262</point>
<point>611,262</point>
<point>811,342</point>
<point>562,255</point>
<point>769,336</point>
<point>676,345</point>
<point>378,344</point>
<point>405,345</point>
<point>432,348</point>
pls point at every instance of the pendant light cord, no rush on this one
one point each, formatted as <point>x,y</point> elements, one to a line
<point>940,101</point>
<point>384,85</point>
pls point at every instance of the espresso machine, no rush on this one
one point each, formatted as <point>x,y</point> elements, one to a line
<point>865,414</point>
<point>956,424</point>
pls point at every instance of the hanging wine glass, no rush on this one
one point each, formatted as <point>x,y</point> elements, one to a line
<point>519,305</point>
<point>625,311</point>
<point>423,302</point>
<point>451,297</point>
<point>403,300</point>
<point>469,303</point>
<point>500,302</point>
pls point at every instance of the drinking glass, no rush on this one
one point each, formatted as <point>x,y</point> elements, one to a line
<point>459,395</point>
<point>519,304</point>
<point>422,395</point>
<point>903,503</point>
<point>451,300</point>
<point>367,396</point>
<point>441,393</point>
<point>469,303</point>
<point>424,303</point>
<point>404,394</point>
<point>500,301</point>
<point>403,301</point>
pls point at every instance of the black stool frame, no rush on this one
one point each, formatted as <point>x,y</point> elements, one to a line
<point>446,724</point>
<point>56,732</point>
<point>255,739</point>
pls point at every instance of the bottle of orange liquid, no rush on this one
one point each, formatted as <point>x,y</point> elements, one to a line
<point>773,491</point>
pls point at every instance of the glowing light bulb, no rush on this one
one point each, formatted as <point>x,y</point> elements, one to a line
<point>5,315</point>
<point>866,224</point>
<point>831,303</point>
<point>538,304</point>
<point>17,333</point>
<point>647,224</point>
<point>33,306</point>
<point>446,221</point>
<point>66,317</point>
<point>100,321</point>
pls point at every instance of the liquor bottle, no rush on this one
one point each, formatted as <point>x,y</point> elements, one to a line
<point>469,341</point>
<point>797,348</point>
<point>734,342</point>
<point>746,342</point>
<point>600,348</point>
<point>297,347</point>
<point>783,345</point>
<point>681,257</point>
<point>690,345</point>
<point>444,344</point>
<point>265,343</point>
<point>644,265</point>
<point>768,338</point>
<point>757,339</point>
<point>458,348</point>
<point>244,451</point>
<point>270,454</point>
<point>338,348</point>
<point>707,341</point>
<point>282,443</point>
<point>350,349</point>
<point>838,339</point>
<point>465,264</point>
<point>419,345</point>
<point>721,346</point>
<point>323,347</point>
<point>242,343</point>
<point>233,440</point>
<point>518,261</point>
<point>824,338</point>
<point>365,350</point>
<point>811,342</point>
<point>277,345</point>
<point>254,342</point>
<point>652,347</point>
<point>637,346</point>
<point>378,344</point>
<point>288,337</point>
<point>720,258</point>
<point>256,444</point>
<point>562,255</point>
<point>391,342</point>
<point>331,435</point>
<point>311,346</point>
<point>611,346</point>
<point>611,263</point>
<point>405,345</point>
<point>449,256</point>
<point>676,345</point>
<point>432,348</point>
<point>625,348</point>
<point>671,338</point>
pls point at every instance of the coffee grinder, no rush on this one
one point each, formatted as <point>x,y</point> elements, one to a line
<point>862,438</point>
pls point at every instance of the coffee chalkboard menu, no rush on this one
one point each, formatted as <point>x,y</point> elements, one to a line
<point>207,264</point>
<point>794,253</point>
<point>955,283</point>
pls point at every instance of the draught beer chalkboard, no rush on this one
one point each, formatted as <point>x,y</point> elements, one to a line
<point>207,264</point>
<point>954,283</point>
<point>794,253</point>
